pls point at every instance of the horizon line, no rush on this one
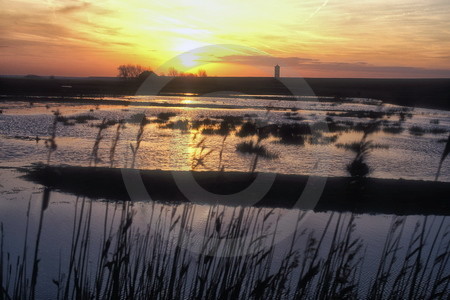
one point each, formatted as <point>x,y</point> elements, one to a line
<point>35,76</point>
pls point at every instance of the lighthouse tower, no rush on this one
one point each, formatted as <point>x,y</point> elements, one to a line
<point>277,71</point>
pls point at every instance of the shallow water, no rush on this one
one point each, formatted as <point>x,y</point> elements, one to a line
<point>154,219</point>
<point>405,155</point>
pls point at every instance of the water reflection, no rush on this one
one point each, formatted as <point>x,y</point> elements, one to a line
<point>403,155</point>
<point>130,250</point>
<point>153,250</point>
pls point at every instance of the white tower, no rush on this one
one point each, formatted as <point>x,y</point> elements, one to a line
<point>277,71</point>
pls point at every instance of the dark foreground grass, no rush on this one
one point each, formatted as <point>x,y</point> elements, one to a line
<point>238,258</point>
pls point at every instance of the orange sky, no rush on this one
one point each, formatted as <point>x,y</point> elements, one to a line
<point>323,38</point>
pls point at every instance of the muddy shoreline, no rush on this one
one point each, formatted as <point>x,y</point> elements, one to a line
<point>341,194</point>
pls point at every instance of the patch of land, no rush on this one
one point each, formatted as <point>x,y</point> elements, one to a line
<point>427,93</point>
<point>374,196</point>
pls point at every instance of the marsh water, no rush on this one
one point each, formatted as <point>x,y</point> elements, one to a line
<point>402,154</point>
<point>204,250</point>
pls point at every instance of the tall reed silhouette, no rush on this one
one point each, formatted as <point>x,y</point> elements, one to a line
<point>200,154</point>
<point>115,141</point>
<point>444,155</point>
<point>94,154</point>
<point>50,143</point>
<point>358,168</point>
<point>238,257</point>
<point>221,167</point>
<point>139,138</point>
<point>262,130</point>
<point>34,274</point>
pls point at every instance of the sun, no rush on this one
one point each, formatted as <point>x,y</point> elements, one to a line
<point>189,60</point>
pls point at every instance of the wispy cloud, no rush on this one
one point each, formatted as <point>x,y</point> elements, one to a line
<point>321,36</point>
<point>332,69</point>
<point>73,8</point>
<point>262,60</point>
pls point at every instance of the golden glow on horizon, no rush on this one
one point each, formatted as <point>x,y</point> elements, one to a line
<point>186,101</point>
<point>317,37</point>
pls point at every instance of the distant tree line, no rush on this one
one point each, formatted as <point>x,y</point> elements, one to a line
<point>131,71</point>
<point>175,73</point>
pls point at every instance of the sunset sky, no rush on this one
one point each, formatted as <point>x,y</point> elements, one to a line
<point>335,38</point>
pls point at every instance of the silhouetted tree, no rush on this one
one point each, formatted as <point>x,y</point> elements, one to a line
<point>131,71</point>
<point>201,73</point>
<point>172,72</point>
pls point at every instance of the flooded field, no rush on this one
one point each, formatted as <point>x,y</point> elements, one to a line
<point>407,142</point>
<point>190,245</point>
<point>63,246</point>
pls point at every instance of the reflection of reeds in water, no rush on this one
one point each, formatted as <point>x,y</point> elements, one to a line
<point>238,258</point>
